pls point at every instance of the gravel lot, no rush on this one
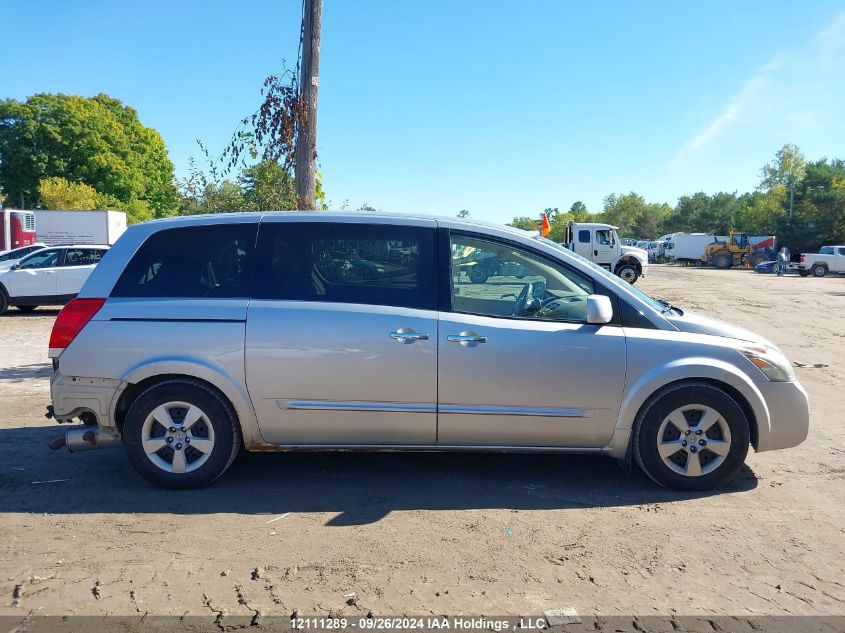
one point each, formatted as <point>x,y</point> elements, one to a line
<point>429,533</point>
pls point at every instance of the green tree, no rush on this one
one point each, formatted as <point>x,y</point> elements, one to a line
<point>463,213</point>
<point>819,208</point>
<point>525,223</point>
<point>622,211</point>
<point>268,186</point>
<point>58,193</point>
<point>578,207</point>
<point>97,141</point>
<point>786,168</point>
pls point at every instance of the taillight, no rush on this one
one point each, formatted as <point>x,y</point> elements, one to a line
<point>73,317</point>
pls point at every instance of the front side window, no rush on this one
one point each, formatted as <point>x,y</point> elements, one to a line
<point>347,263</point>
<point>41,259</point>
<point>496,279</point>
<point>82,256</point>
<point>842,250</point>
<point>191,262</point>
<point>604,237</point>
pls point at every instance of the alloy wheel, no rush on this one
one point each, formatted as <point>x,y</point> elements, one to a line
<point>694,440</point>
<point>177,437</point>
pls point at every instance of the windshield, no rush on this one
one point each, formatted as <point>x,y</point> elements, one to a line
<point>606,274</point>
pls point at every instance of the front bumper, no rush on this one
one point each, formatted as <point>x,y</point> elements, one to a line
<point>789,415</point>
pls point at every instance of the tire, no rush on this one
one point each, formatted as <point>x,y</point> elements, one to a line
<point>192,468</point>
<point>26,308</point>
<point>653,432</point>
<point>4,300</point>
<point>758,258</point>
<point>723,261</point>
<point>478,274</point>
<point>819,270</point>
<point>628,272</point>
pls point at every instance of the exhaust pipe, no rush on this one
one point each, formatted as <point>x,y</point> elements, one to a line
<point>86,438</point>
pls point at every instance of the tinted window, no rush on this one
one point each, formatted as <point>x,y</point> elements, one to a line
<point>497,279</point>
<point>196,261</point>
<point>842,250</point>
<point>349,263</point>
<point>584,236</point>
<point>41,259</point>
<point>82,256</point>
<point>826,250</point>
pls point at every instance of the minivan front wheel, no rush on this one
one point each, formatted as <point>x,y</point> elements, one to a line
<point>181,434</point>
<point>692,437</point>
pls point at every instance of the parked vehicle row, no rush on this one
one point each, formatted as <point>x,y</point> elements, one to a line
<point>48,276</point>
<point>244,334</point>
<point>12,257</point>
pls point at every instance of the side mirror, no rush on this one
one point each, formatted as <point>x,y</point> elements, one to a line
<point>16,266</point>
<point>599,309</point>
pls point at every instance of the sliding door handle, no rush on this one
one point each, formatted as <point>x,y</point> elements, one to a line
<point>466,338</point>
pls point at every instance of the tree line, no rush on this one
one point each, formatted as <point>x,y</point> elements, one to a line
<point>62,151</point>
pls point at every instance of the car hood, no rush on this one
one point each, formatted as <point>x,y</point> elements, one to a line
<point>639,253</point>
<point>697,323</point>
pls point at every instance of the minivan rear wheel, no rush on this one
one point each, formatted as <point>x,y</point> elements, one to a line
<point>692,437</point>
<point>181,434</point>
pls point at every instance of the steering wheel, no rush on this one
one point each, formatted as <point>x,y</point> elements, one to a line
<point>525,295</point>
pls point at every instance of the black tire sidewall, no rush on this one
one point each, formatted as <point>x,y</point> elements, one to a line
<point>478,275</point>
<point>646,437</point>
<point>724,262</point>
<point>219,414</point>
<point>4,301</point>
<point>633,270</point>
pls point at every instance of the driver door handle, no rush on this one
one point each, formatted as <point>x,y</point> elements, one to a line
<point>463,338</point>
<point>408,337</point>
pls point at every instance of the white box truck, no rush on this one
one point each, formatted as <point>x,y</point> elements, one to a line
<point>79,227</point>
<point>687,248</point>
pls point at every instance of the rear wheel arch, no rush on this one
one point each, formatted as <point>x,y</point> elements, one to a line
<point>133,391</point>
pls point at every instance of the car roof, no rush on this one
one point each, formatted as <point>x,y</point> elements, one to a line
<point>245,216</point>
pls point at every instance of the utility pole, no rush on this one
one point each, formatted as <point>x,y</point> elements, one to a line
<point>791,198</point>
<point>309,82</point>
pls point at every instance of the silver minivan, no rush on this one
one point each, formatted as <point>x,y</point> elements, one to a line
<point>200,336</point>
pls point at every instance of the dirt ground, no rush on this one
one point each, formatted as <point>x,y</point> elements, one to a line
<point>430,533</point>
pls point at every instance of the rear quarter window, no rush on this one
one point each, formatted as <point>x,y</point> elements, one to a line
<point>192,262</point>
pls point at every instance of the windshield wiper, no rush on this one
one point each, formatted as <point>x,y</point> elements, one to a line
<point>669,307</point>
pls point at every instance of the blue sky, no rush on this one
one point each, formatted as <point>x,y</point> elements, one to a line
<point>501,108</point>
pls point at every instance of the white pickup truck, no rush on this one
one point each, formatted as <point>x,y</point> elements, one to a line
<point>829,259</point>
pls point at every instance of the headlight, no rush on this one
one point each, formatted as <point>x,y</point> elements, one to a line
<point>771,362</point>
